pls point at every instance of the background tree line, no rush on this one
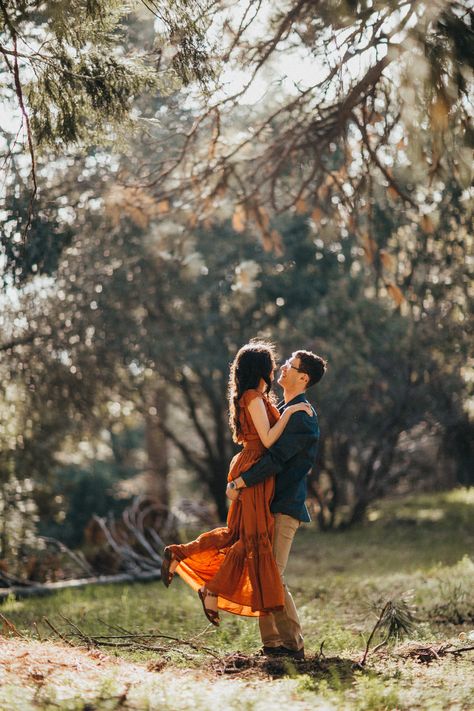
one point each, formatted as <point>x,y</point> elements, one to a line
<point>146,261</point>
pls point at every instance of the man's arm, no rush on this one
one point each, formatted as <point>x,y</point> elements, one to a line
<point>300,429</point>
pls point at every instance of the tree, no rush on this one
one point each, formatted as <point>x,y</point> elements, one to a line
<point>161,318</point>
<point>74,71</point>
<point>376,74</point>
<point>127,298</point>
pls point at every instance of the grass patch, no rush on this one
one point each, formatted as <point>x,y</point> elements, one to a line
<point>423,545</point>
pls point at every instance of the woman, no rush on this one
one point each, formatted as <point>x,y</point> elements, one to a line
<point>232,567</point>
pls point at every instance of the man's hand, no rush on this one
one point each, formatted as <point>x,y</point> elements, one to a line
<point>232,494</point>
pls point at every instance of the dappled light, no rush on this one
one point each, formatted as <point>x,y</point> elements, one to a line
<point>179,178</point>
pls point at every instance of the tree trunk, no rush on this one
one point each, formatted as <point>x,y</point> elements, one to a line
<point>157,449</point>
<point>217,487</point>
<point>358,512</point>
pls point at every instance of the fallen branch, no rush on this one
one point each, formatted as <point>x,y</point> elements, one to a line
<point>78,557</point>
<point>49,588</point>
<point>11,627</point>
<point>127,639</point>
<point>61,636</point>
<point>427,653</point>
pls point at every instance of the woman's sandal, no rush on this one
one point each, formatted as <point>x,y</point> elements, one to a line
<point>212,615</point>
<point>166,575</point>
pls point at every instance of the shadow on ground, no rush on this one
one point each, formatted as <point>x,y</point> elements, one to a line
<point>338,672</point>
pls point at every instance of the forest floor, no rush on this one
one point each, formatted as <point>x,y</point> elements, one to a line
<point>421,548</point>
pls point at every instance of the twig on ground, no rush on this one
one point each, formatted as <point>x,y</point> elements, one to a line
<point>61,636</point>
<point>11,627</point>
<point>128,639</point>
<point>36,628</point>
<point>80,633</point>
<point>427,653</point>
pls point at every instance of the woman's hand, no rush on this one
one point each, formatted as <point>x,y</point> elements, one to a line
<point>301,407</point>
<point>232,494</point>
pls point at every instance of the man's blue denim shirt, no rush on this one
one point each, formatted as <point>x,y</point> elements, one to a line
<point>290,459</point>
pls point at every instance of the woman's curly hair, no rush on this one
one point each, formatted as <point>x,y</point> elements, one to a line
<point>254,361</point>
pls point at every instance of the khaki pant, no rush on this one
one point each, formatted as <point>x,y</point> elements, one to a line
<point>283,628</point>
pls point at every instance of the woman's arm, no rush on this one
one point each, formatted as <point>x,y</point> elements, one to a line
<point>267,434</point>
<point>301,433</point>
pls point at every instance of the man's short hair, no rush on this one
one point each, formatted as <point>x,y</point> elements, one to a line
<point>313,365</point>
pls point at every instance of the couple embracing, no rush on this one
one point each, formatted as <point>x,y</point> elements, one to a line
<point>239,568</point>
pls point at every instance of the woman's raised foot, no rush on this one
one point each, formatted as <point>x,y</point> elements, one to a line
<point>209,605</point>
<point>168,566</point>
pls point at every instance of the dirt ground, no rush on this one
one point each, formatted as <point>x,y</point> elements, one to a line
<point>47,675</point>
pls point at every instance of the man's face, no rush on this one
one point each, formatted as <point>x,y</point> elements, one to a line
<point>290,377</point>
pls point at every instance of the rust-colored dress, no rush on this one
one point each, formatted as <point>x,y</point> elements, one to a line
<point>236,561</point>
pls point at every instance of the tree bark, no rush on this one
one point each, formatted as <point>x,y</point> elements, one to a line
<point>217,487</point>
<point>157,449</point>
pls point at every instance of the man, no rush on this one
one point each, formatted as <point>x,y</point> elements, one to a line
<point>289,459</point>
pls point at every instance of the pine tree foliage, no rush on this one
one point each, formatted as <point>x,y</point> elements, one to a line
<point>68,64</point>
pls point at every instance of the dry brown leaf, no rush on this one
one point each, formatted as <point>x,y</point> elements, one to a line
<point>239,218</point>
<point>439,112</point>
<point>323,192</point>
<point>376,118</point>
<point>388,260</point>
<point>393,192</point>
<point>263,217</point>
<point>163,206</point>
<point>137,215</point>
<point>370,247</point>
<point>277,242</point>
<point>352,223</point>
<point>395,293</point>
<point>221,188</point>
<point>193,220</point>
<point>132,202</point>
<point>427,225</point>
<point>316,215</point>
<point>266,239</point>
<point>301,206</point>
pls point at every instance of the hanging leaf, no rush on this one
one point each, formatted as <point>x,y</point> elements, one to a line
<point>263,217</point>
<point>132,202</point>
<point>427,225</point>
<point>370,247</point>
<point>193,220</point>
<point>439,112</point>
<point>388,260</point>
<point>352,223</point>
<point>316,215</point>
<point>138,216</point>
<point>239,218</point>
<point>376,117</point>
<point>277,242</point>
<point>323,192</point>
<point>395,293</point>
<point>163,206</point>
<point>301,206</point>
